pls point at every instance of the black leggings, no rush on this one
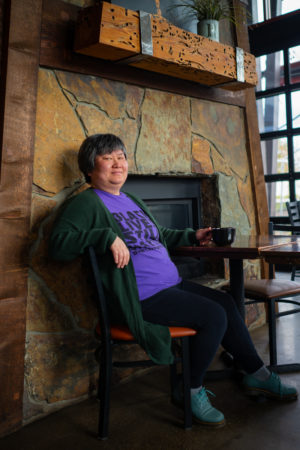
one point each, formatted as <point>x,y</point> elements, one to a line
<point>215,317</point>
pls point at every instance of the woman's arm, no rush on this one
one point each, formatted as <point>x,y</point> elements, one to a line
<point>177,238</point>
<point>67,243</point>
<point>77,227</point>
<point>204,235</point>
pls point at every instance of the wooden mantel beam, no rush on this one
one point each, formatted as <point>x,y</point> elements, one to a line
<point>113,33</point>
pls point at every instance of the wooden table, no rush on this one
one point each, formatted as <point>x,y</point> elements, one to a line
<point>283,254</point>
<point>283,249</point>
<point>274,249</point>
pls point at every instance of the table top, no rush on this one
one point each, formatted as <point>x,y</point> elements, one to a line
<point>247,247</point>
<point>284,254</point>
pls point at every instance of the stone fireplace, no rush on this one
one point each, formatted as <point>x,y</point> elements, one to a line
<point>195,148</point>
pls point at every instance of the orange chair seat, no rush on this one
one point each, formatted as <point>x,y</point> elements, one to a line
<point>122,333</point>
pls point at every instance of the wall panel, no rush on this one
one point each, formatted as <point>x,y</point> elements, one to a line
<point>20,53</point>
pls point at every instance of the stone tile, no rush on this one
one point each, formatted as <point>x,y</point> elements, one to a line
<point>59,367</point>
<point>164,142</point>
<point>41,207</point>
<point>58,136</point>
<point>44,314</point>
<point>232,213</point>
<point>117,100</point>
<point>67,282</point>
<point>201,156</point>
<point>223,125</point>
<point>246,200</point>
<point>255,315</point>
<point>220,162</point>
<point>252,269</point>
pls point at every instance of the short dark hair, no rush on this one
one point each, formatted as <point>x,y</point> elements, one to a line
<point>95,145</point>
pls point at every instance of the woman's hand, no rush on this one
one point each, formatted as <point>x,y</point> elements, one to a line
<point>204,235</point>
<point>120,253</point>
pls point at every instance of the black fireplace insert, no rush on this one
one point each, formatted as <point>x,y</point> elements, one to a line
<point>174,202</point>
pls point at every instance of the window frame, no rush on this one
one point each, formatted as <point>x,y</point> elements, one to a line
<point>260,47</point>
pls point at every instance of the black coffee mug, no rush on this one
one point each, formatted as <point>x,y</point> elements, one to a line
<point>223,236</point>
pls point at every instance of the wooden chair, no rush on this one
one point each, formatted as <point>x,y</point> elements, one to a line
<point>116,335</point>
<point>294,212</point>
<point>294,216</point>
<point>274,291</point>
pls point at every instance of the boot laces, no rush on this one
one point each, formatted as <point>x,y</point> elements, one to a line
<point>203,400</point>
<point>278,382</point>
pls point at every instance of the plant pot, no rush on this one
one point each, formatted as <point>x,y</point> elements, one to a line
<point>209,29</point>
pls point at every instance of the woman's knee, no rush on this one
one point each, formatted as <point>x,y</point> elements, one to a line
<point>227,302</point>
<point>218,318</point>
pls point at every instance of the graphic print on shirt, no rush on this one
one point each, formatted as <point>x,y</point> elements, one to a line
<point>140,233</point>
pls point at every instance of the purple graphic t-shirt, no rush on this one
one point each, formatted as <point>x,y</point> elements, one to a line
<point>153,267</point>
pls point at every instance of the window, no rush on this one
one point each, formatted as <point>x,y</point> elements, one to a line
<point>266,9</point>
<point>177,16</point>
<point>278,107</point>
<point>278,102</point>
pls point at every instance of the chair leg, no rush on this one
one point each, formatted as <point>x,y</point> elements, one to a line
<point>104,391</point>
<point>174,378</point>
<point>272,333</point>
<point>186,382</point>
<point>293,273</point>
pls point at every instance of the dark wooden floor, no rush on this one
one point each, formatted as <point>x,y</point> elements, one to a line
<point>142,416</point>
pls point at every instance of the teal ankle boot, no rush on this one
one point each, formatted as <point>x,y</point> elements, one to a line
<point>204,412</point>
<point>272,387</point>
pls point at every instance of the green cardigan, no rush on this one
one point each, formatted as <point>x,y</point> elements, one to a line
<point>85,221</point>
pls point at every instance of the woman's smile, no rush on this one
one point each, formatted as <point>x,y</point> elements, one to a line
<point>110,172</point>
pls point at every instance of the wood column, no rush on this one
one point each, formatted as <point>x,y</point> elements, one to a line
<point>253,146</point>
<point>253,138</point>
<point>20,59</point>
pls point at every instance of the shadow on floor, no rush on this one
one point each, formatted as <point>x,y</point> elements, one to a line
<point>142,416</point>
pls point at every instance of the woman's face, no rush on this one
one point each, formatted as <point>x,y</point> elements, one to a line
<point>110,172</point>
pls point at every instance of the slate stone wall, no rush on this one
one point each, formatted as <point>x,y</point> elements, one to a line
<point>165,134</point>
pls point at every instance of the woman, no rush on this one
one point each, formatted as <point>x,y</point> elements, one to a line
<point>145,290</point>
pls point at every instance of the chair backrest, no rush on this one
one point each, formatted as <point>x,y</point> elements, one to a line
<point>294,229</point>
<point>99,295</point>
<point>294,212</point>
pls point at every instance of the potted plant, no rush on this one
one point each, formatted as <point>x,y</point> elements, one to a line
<point>208,14</point>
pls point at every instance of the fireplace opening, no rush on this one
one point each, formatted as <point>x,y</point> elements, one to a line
<point>176,202</point>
